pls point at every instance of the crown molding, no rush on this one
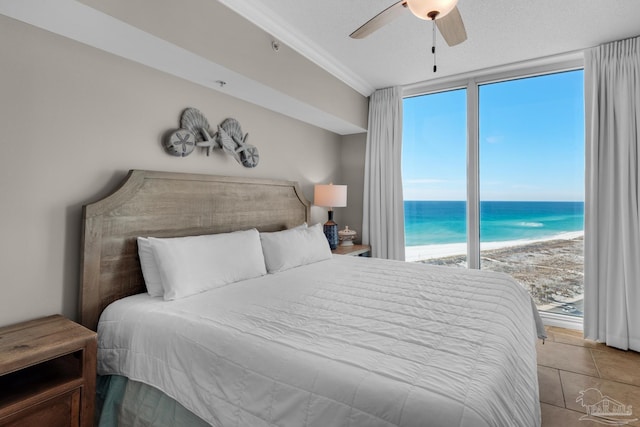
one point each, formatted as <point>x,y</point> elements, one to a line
<point>264,18</point>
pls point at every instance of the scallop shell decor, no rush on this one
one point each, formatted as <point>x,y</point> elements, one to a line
<point>234,142</point>
<point>195,132</point>
<point>193,120</point>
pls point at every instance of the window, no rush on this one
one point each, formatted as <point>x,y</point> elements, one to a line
<point>434,175</point>
<point>521,205</point>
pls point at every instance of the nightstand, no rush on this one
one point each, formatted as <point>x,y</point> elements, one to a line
<point>353,250</point>
<point>47,373</point>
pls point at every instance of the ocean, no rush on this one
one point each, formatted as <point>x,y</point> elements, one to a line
<point>441,222</point>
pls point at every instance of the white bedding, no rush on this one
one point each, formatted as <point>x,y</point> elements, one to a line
<point>343,342</point>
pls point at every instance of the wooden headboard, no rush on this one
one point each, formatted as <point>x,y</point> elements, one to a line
<point>163,204</point>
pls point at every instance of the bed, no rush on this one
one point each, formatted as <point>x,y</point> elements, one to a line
<point>336,341</point>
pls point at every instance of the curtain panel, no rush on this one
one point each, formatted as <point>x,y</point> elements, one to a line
<point>612,221</point>
<point>383,206</point>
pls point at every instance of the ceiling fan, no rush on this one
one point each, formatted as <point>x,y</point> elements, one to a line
<point>444,13</point>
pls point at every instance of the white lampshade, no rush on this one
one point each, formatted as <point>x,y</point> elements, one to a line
<point>330,196</point>
<point>422,8</point>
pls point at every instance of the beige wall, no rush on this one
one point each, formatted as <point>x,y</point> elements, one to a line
<point>213,31</point>
<point>73,120</point>
<point>352,157</point>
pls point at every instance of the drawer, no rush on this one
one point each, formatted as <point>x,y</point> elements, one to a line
<point>60,411</point>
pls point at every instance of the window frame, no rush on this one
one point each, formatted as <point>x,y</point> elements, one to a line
<point>471,82</point>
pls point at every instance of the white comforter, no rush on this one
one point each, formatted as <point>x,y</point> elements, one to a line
<point>344,342</point>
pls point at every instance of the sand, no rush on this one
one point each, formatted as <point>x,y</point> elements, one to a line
<point>551,269</point>
<point>421,253</point>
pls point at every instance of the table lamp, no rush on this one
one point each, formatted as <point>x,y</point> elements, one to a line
<point>330,196</point>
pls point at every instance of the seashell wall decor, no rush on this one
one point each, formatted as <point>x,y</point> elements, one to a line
<point>180,143</point>
<point>231,139</point>
<point>195,132</point>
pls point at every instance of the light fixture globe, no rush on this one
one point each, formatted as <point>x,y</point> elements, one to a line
<point>426,9</point>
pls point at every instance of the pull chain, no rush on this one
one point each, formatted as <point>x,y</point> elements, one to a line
<point>433,15</point>
<point>433,47</point>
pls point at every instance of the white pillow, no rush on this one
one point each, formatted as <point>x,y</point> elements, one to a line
<point>190,265</point>
<point>294,247</point>
<point>150,270</point>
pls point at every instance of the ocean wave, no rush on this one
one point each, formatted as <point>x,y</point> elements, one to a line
<point>531,224</point>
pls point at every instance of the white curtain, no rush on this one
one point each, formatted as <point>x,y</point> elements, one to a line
<point>383,216</point>
<point>612,221</point>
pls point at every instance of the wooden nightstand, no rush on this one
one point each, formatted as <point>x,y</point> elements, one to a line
<point>47,373</point>
<point>354,250</point>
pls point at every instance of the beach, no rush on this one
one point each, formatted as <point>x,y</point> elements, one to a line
<point>551,268</point>
<point>425,252</point>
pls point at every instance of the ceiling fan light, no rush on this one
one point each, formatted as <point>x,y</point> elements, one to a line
<point>423,8</point>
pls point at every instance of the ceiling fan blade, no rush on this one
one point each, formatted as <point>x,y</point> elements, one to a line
<point>380,20</point>
<point>452,28</point>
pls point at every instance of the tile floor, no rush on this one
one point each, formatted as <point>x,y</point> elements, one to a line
<point>569,364</point>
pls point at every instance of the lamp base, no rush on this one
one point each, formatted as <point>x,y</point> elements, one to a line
<point>331,231</point>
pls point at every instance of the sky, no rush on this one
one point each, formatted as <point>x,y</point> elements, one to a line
<point>531,139</point>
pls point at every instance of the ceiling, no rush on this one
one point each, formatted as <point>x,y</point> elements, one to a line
<point>499,32</point>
